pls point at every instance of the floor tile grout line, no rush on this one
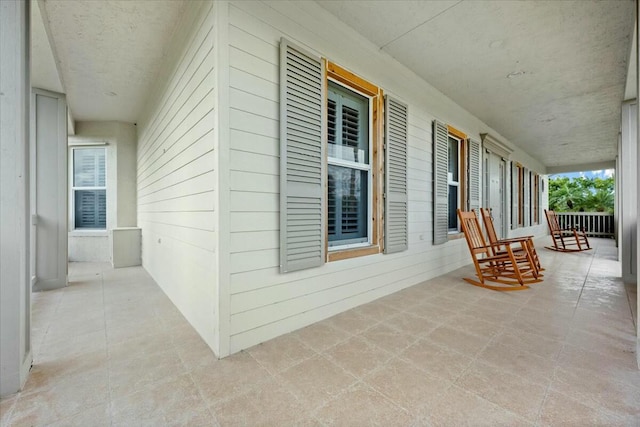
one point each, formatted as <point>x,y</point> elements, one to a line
<point>108,350</point>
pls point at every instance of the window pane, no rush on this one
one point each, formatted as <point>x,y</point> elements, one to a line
<point>90,209</point>
<point>348,125</point>
<point>453,206</point>
<point>453,160</point>
<point>89,167</point>
<point>347,210</point>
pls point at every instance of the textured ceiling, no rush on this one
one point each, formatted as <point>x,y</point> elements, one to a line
<point>44,74</point>
<point>548,75</point>
<point>109,52</point>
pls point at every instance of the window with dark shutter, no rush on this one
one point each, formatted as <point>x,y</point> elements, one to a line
<point>89,192</point>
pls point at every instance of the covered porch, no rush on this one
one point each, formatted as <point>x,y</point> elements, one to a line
<point>126,345</point>
<point>111,349</point>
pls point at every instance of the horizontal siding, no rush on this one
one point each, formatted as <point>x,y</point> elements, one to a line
<point>265,303</point>
<point>262,299</point>
<point>176,173</point>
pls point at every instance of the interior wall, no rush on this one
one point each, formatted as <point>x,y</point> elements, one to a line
<point>121,141</point>
<point>176,174</point>
<point>264,303</point>
<point>15,289</point>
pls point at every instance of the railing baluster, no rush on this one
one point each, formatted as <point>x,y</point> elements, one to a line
<point>597,224</point>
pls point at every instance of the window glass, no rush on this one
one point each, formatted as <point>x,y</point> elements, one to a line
<point>453,159</point>
<point>453,178</point>
<point>348,167</point>
<point>453,206</point>
<point>89,193</point>
<point>348,125</point>
<point>347,219</point>
<point>88,167</point>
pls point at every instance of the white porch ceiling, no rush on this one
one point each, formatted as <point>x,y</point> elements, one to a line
<point>548,75</point>
<point>108,52</point>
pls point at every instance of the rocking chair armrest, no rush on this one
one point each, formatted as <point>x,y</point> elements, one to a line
<point>515,239</point>
<point>500,243</point>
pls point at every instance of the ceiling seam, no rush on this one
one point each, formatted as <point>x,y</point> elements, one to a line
<point>419,25</point>
<point>52,45</point>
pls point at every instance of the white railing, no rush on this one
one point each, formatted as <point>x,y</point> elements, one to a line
<point>596,224</point>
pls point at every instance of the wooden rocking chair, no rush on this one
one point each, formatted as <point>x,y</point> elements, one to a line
<point>568,239</point>
<point>507,268</point>
<point>496,243</point>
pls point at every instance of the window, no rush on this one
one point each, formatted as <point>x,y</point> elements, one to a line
<point>336,180</point>
<point>456,179</point>
<point>349,168</point>
<point>453,182</point>
<point>354,202</point>
<point>89,191</point>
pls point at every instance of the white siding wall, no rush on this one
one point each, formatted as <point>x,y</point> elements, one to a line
<point>176,185</point>
<point>263,302</point>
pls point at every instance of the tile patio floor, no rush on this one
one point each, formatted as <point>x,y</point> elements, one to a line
<point>111,349</point>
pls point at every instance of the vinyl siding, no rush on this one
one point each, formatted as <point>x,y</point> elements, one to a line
<point>176,174</point>
<point>263,303</point>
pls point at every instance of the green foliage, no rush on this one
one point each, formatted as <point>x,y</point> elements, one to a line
<point>581,194</point>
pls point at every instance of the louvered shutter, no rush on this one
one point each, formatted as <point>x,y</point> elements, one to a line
<point>527,198</point>
<point>473,177</point>
<point>302,170</point>
<point>396,198</point>
<point>90,209</point>
<point>514,196</point>
<point>440,170</point>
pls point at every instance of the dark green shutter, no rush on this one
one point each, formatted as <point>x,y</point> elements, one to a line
<point>302,169</point>
<point>396,231</point>
<point>440,190</point>
<point>473,177</point>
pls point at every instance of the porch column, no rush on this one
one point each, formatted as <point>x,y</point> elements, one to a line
<point>637,163</point>
<point>628,185</point>
<point>15,303</point>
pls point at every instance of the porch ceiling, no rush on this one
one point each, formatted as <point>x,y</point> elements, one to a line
<point>548,75</point>
<point>108,52</point>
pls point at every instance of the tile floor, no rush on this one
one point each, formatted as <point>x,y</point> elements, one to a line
<point>111,349</point>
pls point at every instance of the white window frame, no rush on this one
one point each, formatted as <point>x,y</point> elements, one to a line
<point>360,166</point>
<point>73,188</point>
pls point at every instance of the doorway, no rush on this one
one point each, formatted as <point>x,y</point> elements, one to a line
<point>495,169</point>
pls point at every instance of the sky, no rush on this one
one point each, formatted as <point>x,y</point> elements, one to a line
<point>605,173</point>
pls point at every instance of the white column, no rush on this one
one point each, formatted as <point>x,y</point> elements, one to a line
<point>15,303</point>
<point>49,186</point>
<point>637,163</point>
<point>629,197</point>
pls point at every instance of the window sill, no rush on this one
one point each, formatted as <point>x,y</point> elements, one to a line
<point>88,233</point>
<point>455,236</point>
<point>353,253</point>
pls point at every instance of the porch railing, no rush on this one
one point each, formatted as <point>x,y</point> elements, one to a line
<point>596,224</point>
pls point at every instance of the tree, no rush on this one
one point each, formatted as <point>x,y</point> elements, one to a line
<point>581,194</point>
